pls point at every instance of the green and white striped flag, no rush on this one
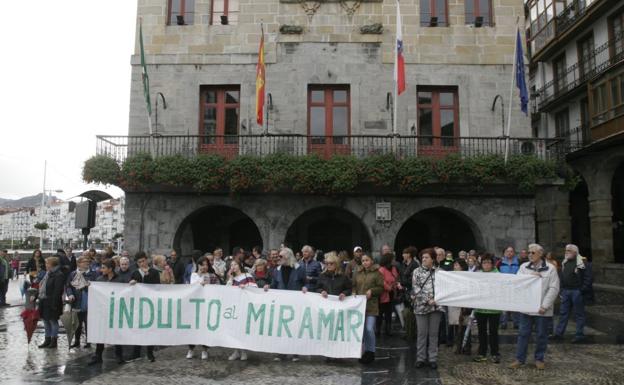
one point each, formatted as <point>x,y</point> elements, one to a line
<point>144,76</point>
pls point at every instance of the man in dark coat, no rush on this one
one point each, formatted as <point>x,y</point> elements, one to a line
<point>147,275</point>
<point>178,265</point>
<point>51,301</point>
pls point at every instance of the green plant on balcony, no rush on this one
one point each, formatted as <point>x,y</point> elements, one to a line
<point>312,174</point>
<point>41,226</point>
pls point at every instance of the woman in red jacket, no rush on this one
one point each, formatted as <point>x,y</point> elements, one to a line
<point>391,284</point>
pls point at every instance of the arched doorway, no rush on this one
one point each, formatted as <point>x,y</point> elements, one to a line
<point>579,215</point>
<point>438,226</point>
<point>617,206</point>
<point>328,228</point>
<point>217,226</point>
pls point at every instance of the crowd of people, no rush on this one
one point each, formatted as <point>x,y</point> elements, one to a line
<point>400,287</point>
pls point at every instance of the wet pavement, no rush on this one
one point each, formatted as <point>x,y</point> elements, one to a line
<point>592,363</point>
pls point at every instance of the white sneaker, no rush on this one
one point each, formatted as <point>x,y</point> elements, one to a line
<point>276,359</point>
<point>204,355</point>
<point>243,356</point>
<point>234,356</point>
<point>295,359</point>
<point>189,354</point>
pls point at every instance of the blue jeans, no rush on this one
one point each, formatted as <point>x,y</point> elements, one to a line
<point>524,332</point>
<point>51,327</point>
<point>507,315</point>
<point>369,333</point>
<point>569,299</point>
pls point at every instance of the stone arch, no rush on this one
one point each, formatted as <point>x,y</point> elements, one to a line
<point>216,226</point>
<point>580,229</point>
<point>440,226</point>
<point>328,228</point>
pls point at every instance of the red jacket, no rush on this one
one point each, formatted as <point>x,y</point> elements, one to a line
<point>390,278</point>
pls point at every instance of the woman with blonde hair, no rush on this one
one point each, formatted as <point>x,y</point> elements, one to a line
<point>261,273</point>
<point>332,281</point>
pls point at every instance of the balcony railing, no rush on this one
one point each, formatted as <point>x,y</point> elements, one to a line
<point>576,75</point>
<point>121,147</point>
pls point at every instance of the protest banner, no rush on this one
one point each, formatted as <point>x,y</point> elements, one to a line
<point>277,321</point>
<point>507,292</point>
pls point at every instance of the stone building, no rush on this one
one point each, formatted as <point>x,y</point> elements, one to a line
<point>329,83</point>
<point>577,82</point>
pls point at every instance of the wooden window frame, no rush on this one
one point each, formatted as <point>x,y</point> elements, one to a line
<point>436,128</point>
<point>476,12</point>
<point>559,78</point>
<point>183,11</point>
<point>619,14</point>
<point>220,144</point>
<point>610,110</point>
<point>226,11</point>
<point>329,144</point>
<point>433,13</point>
<point>560,131</point>
<point>585,65</point>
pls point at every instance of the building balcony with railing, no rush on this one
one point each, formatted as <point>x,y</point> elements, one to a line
<point>359,146</point>
<point>571,82</point>
<point>552,22</point>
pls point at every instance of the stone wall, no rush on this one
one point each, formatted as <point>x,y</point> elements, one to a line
<point>495,221</point>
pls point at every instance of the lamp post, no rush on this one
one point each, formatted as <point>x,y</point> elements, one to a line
<point>42,216</point>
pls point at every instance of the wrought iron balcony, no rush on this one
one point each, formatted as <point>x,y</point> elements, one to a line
<point>600,60</point>
<point>120,147</point>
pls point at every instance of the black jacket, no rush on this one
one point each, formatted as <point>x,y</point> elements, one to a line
<point>179,267</point>
<point>51,307</point>
<point>333,284</point>
<point>152,276</point>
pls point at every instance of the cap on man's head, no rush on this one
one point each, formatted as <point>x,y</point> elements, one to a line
<point>357,248</point>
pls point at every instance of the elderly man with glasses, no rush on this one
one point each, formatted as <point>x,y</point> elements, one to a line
<point>537,266</point>
<point>576,280</point>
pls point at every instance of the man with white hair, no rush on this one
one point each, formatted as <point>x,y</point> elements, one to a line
<point>575,281</point>
<point>537,266</point>
<point>312,267</point>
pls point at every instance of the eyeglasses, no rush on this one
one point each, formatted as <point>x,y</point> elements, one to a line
<point>330,263</point>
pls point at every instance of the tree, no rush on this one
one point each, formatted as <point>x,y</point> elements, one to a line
<point>41,226</point>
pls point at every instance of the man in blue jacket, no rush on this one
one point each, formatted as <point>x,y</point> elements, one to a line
<point>576,280</point>
<point>509,264</point>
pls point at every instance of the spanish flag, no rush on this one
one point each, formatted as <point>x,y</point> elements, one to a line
<point>260,82</point>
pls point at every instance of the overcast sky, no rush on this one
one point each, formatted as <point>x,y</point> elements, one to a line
<point>64,78</point>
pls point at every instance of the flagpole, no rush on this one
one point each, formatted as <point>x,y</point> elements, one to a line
<point>396,73</point>
<point>513,78</point>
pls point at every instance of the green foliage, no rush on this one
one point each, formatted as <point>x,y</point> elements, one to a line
<point>41,226</point>
<point>101,169</point>
<point>312,174</point>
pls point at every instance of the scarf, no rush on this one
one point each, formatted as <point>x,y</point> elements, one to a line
<point>44,283</point>
<point>79,282</point>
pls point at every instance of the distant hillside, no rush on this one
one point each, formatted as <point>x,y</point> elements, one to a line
<point>31,201</point>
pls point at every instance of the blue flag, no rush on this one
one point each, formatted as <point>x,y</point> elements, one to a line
<point>520,78</point>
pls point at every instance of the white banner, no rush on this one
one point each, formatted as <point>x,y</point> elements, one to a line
<point>277,321</point>
<point>507,292</point>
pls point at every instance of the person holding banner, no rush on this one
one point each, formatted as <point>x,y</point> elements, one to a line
<point>370,283</point>
<point>237,276</point>
<point>488,320</point>
<point>428,313</point>
<point>148,275</point>
<point>204,275</point>
<point>108,275</point>
<point>537,266</point>
<point>332,281</point>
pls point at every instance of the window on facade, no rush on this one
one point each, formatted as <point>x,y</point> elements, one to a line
<point>224,12</point>
<point>607,99</point>
<point>559,74</point>
<point>433,13</point>
<point>329,113</point>
<point>438,121</point>
<point>479,12</point>
<point>617,36</point>
<point>180,12</point>
<point>220,111</point>
<point>586,58</point>
<point>562,123</point>
<point>541,30</point>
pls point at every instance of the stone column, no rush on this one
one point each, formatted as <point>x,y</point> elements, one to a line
<point>601,219</point>
<point>553,218</point>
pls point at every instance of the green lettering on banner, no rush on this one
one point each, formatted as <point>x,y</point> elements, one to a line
<point>271,316</point>
<point>180,325</point>
<point>111,311</point>
<point>251,311</point>
<point>325,320</point>
<point>128,313</point>
<point>306,323</point>
<point>162,325</point>
<point>353,327</point>
<point>213,327</point>
<point>283,322</point>
<point>142,323</point>
<point>197,302</point>
<point>339,326</point>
